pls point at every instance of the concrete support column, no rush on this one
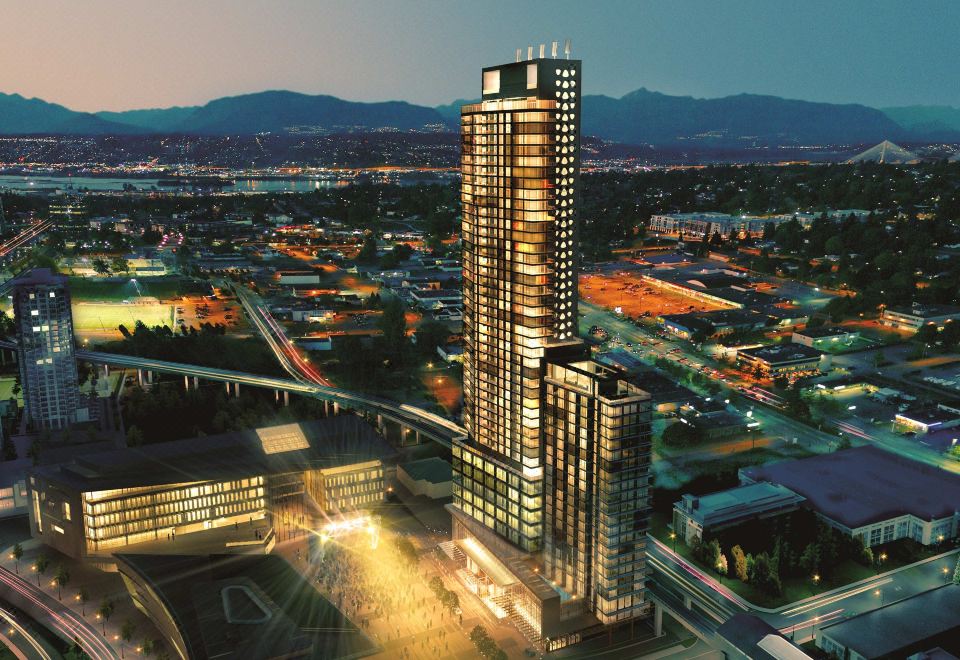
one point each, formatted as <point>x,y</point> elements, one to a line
<point>106,371</point>
<point>186,383</point>
<point>196,383</point>
<point>236,390</point>
<point>336,408</point>
<point>657,620</point>
<point>688,602</point>
<point>150,377</point>
<point>286,398</point>
<point>227,386</point>
<point>140,378</point>
<point>276,396</point>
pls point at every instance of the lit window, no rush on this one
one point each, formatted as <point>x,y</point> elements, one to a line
<point>531,77</point>
<point>491,81</point>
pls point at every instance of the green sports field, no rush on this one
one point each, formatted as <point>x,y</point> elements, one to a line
<point>106,317</point>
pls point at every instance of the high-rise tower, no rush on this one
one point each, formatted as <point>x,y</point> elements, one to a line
<point>48,369</point>
<point>540,506</point>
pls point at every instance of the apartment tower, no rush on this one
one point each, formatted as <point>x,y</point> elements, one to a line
<point>550,483</point>
<point>48,369</point>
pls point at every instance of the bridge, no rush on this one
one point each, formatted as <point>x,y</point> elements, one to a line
<point>422,423</point>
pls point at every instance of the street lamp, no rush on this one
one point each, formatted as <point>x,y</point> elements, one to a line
<point>673,537</point>
<point>879,594</point>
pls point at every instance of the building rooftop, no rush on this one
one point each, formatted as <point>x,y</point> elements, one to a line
<point>40,276</point>
<point>862,485</point>
<point>929,416</point>
<point>732,500</point>
<point>894,628</point>
<point>433,469</point>
<point>757,639</point>
<point>926,311</point>
<point>824,331</point>
<point>247,606</point>
<point>782,353</point>
<point>331,442</point>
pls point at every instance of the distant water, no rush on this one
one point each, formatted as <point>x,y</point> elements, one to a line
<point>78,184</point>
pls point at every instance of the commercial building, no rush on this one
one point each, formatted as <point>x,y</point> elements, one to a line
<point>239,607</point>
<point>695,515</point>
<point>788,360</point>
<point>550,485</point>
<point>825,337</point>
<point>431,477</point>
<point>48,370</point>
<point>712,324</point>
<point>294,277</point>
<point>898,629</point>
<point>292,474</point>
<point>871,494</point>
<point>915,317</point>
<point>928,419</point>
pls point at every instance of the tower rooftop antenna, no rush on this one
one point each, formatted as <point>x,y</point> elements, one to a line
<point>566,49</point>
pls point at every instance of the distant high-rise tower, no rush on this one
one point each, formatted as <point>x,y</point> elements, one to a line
<point>48,369</point>
<point>550,484</point>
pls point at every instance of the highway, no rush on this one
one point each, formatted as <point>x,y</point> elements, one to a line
<point>283,348</point>
<point>25,237</point>
<point>54,615</point>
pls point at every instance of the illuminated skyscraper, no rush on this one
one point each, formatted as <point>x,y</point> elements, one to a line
<point>550,484</point>
<point>48,369</point>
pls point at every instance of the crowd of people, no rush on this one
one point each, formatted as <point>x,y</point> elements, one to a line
<point>386,594</point>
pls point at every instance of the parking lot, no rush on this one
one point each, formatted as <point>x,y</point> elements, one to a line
<point>635,298</point>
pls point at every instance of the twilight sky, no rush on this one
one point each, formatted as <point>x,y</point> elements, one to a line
<point>118,55</point>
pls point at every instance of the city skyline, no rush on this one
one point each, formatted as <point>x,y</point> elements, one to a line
<point>132,56</point>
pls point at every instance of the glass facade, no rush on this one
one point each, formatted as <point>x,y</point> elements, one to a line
<point>553,472</point>
<point>130,515</point>
<point>520,169</point>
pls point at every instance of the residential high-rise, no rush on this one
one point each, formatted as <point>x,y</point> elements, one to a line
<point>550,484</point>
<point>48,369</point>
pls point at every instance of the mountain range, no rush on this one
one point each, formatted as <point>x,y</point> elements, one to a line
<point>640,117</point>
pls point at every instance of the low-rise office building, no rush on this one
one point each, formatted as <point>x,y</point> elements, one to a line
<point>292,473</point>
<point>915,317</point>
<point>432,477</point>
<point>788,360</point>
<point>928,419</point>
<point>695,515</point>
<point>898,629</point>
<point>871,494</point>
<point>824,337</point>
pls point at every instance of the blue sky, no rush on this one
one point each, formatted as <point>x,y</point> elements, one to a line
<point>116,55</point>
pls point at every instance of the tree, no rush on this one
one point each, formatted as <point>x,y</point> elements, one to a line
<point>104,612</point>
<point>61,577</point>
<point>40,565</point>
<point>739,563</point>
<point>680,434</point>
<point>134,436</point>
<point>18,555</point>
<point>119,264</point>
<point>34,451</point>
<point>711,553</point>
<point>368,253</point>
<point>100,266</point>
<point>956,572</point>
<point>810,559</point>
<point>834,245</point>
<point>127,631</point>
<point>722,566</point>
<point>83,596</point>
<point>393,325</point>
<point>763,576</point>
<point>407,550</point>
<point>927,333</point>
